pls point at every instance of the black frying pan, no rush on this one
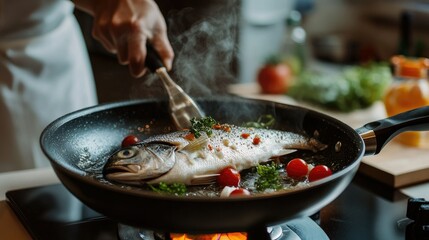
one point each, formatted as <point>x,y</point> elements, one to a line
<point>86,138</point>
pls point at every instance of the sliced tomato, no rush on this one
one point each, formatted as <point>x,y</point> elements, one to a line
<point>297,168</point>
<point>319,172</point>
<point>229,177</point>
<point>240,192</point>
<point>129,140</point>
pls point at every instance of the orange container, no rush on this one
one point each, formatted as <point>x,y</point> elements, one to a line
<point>410,90</point>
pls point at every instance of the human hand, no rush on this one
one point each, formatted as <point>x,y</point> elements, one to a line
<point>124,27</point>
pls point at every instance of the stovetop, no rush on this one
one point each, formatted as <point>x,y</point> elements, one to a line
<point>365,210</point>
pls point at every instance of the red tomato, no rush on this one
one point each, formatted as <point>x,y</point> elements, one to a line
<point>297,168</point>
<point>274,79</point>
<point>130,140</point>
<point>190,137</point>
<point>256,140</point>
<point>319,172</point>
<point>239,192</point>
<point>229,177</point>
<point>245,135</point>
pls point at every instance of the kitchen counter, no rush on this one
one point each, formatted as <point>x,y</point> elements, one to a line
<point>10,226</point>
<point>25,179</point>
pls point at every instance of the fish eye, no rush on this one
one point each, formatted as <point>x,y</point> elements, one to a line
<point>127,153</point>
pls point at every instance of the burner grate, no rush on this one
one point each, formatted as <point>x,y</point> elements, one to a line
<point>299,229</point>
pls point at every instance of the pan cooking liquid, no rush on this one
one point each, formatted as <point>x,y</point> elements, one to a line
<point>94,168</point>
<point>248,177</point>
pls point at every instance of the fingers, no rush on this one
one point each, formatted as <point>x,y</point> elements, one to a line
<point>102,27</point>
<point>130,44</point>
<point>124,27</point>
<point>103,36</point>
<point>120,39</point>
<point>133,51</point>
<point>162,45</point>
<point>137,54</point>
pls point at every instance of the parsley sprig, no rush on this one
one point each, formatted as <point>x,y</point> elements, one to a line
<point>205,124</point>
<point>174,188</point>
<point>264,121</point>
<point>268,177</point>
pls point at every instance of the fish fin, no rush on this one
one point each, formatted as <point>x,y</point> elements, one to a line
<point>285,151</point>
<point>316,145</point>
<point>164,156</point>
<point>204,179</point>
<point>197,144</point>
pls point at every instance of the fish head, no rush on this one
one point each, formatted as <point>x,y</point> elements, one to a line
<point>140,163</point>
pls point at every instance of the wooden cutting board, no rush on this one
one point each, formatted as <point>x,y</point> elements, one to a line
<point>397,165</point>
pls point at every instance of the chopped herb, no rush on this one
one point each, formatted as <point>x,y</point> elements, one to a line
<point>205,124</point>
<point>269,177</point>
<point>264,121</point>
<point>174,188</point>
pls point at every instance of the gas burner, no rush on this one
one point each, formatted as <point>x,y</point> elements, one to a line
<point>299,229</point>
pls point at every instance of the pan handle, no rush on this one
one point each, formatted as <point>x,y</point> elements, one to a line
<point>378,133</point>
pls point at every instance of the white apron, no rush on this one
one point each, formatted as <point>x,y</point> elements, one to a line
<point>44,73</point>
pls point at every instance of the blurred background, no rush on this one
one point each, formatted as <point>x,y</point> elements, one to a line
<point>220,42</point>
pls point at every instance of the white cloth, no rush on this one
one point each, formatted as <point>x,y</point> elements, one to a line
<point>44,73</point>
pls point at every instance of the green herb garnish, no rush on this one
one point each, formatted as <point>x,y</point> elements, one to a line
<point>269,177</point>
<point>174,188</point>
<point>264,121</point>
<point>205,124</point>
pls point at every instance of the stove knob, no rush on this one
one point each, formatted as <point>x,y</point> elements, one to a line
<point>423,216</point>
<point>418,212</point>
<point>414,206</point>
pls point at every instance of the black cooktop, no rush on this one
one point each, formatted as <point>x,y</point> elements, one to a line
<point>365,210</point>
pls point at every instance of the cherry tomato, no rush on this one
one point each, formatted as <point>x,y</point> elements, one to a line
<point>297,168</point>
<point>239,192</point>
<point>319,172</point>
<point>229,177</point>
<point>130,140</point>
<point>274,78</point>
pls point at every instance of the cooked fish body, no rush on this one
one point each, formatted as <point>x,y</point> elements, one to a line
<point>175,158</point>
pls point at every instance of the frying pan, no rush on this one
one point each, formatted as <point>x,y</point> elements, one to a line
<point>78,145</point>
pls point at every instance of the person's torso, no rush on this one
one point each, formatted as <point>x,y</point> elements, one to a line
<point>24,18</point>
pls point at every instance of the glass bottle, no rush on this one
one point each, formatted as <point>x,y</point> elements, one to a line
<point>294,45</point>
<point>409,90</point>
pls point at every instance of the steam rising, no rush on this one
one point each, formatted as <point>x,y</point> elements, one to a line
<point>204,51</point>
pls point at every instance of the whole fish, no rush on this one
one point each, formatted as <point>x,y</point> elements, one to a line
<point>178,158</point>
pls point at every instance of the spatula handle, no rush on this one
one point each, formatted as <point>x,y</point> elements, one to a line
<point>153,60</point>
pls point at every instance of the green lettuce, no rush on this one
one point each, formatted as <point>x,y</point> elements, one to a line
<point>355,87</point>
